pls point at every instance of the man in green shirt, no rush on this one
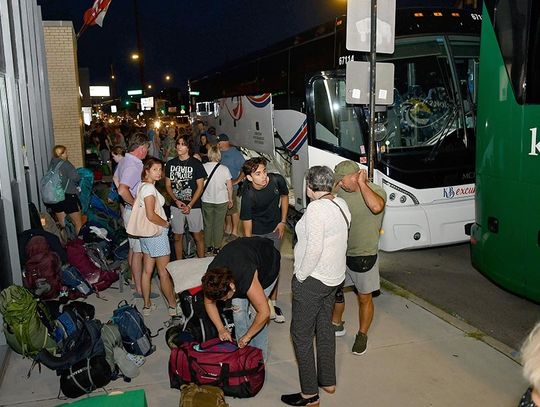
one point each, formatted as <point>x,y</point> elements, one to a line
<point>366,202</point>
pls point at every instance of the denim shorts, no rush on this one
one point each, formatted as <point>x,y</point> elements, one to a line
<point>156,246</point>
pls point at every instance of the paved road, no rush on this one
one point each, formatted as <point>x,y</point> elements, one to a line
<point>444,277</point>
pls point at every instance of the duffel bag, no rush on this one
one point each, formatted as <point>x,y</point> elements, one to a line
<point>85,376</point>
<point>238,371</point>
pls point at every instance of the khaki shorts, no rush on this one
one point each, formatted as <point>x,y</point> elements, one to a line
<point>365,283</point>
<point>236,204</point>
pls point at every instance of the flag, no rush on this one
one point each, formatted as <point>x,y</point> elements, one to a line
<point>96,13</point>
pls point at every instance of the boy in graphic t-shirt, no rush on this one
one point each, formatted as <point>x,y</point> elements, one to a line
<point>184,183</point>
<point>265,203</point>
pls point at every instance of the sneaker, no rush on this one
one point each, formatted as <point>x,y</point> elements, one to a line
<point>137,359</point>
<point>216,251</point>
<point>209,249</point>
<point>278,315</point>
<point>360,344</point>
<point>339,330</point>
<point>172,311</point>
<point>146,311</point>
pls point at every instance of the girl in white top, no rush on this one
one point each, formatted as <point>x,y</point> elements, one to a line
<point>216,199</point>
<point>319,269</point>
<point>156,249</point>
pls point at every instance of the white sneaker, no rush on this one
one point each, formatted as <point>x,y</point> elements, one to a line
<point>278,315</point>
<point>146,311</point>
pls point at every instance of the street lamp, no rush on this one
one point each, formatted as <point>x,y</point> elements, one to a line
<point>135,56</point>
<point>167,77</point>
<point>149,86</point>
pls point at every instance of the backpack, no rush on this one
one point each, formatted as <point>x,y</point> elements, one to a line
<point>238,371</point>
<point>83,342</point>
<point>52,190</point>
<point>98,279</point>
<point>197,322</point>
<point>42,269</point>
<point>75,282</point>
<point>24,330</point>
<point>201,396</point>
<point>111,339</point>
<point>135,335</point>
<point>54,243</point>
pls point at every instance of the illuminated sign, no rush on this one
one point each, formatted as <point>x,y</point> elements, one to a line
<point>135,92</point>
<point>194,93</point>
<point>97,91</point>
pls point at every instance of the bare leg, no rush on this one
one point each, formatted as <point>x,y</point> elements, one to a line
<point>228,225</point>
<point>165,281</point>
<point>337,315</point>
<point>235,217</point>
<point>146,280</point>
<point>137,270</point>
<point>273,294</point>
<point>61,218</point>
<point>76,218</point>
<point>178,249</point>
<point>365,312</point>
<point>199,242</point>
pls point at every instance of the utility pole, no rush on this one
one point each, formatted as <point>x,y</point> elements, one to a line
<point>139,43</point>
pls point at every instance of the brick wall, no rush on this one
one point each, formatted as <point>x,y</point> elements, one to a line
<point>63,71</point>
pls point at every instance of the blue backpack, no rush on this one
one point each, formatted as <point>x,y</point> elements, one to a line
<point>72,278</point>
<point>52,190</point>
<point>136,336</point>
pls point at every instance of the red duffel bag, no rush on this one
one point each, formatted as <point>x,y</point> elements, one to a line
<point>239,372</point>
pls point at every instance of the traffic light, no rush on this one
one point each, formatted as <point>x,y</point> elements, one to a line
<point>127,102</point>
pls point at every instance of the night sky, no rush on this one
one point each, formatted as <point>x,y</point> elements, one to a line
<point>185,38</point>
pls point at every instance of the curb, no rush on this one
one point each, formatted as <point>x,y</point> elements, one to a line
<point>463,326</point>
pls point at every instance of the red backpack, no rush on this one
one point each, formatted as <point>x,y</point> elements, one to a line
<point>42,269</point>
<point>238,371</point>
<point>98,279</point>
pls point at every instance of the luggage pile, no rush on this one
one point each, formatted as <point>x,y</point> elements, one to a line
<point>85,353</point>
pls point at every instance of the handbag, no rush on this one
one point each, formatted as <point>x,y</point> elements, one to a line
<point>138,224</point>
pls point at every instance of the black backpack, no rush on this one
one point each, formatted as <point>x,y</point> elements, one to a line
<point>197,322</point>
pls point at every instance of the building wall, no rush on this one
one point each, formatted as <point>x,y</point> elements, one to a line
<point>63,69</point>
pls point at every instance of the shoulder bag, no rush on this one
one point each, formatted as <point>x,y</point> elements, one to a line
<point>138,224</point>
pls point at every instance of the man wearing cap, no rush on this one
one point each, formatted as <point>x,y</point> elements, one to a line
<point>366,202</point>
<point>233,159</point>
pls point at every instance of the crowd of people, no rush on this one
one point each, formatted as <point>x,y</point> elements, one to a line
<point>210,190</point>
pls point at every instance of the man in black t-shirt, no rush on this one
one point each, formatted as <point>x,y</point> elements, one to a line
<point>265,203</point>
<point>245,270</point>
<point>184,183</point>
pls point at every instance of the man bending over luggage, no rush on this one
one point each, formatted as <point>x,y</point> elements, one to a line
<point>246,271</point>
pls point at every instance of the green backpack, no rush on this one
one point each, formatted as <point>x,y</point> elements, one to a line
<point>193,395</point>
<point>24,330</point>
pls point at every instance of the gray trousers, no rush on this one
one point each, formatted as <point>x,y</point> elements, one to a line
<point>312,305</point>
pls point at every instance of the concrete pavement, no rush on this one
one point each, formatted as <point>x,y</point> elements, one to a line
<point>415,358</point>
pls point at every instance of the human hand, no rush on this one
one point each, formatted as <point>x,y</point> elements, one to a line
<point>362,177</point>
<point>230,204</point>
<point>280,229</point>
<point>243,341</point>
<point>186,209</point>
<point>225,335</point>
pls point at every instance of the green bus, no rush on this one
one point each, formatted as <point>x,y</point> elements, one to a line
<point>505,238</point>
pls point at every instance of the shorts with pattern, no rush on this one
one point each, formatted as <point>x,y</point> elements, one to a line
<point>366,282</point>
<point>156,246</point>
<point>194,220</point>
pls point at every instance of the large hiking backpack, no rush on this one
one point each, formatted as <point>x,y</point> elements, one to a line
<point>196,321</point>
<point>52,190</point>
<point>111,338</point>
<point>98,279</point>
<point>85,376</point>
<point>83,342</point>
<point>238,371</point>
<point>23,317</point>
<point>54,243</point>
<point>135,335</point>
<point>42,269</point>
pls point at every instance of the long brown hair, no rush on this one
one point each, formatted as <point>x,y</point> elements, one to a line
<point>148,163</point>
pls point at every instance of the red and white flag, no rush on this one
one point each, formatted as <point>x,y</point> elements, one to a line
<point>96,13</point>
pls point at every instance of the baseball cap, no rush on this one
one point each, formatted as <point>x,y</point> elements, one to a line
<point>222,137</point>
<point>345,168</point>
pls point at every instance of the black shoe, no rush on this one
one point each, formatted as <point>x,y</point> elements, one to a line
<point>296,399</point>
<point>216,251</point>
<point>209,249</point>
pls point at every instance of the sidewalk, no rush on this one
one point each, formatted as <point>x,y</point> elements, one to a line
<point>414,359</point>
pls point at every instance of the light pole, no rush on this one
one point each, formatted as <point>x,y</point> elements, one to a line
<point>140,53</point>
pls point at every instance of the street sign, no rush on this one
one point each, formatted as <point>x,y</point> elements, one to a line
<point>113,109</point>
<point>172,109</point>
<point>147,103</point>
<point>357,83</point>
<point>134,92</point>
<point>194,93</point>
<point>97,91</point>
<point>359,25</point>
